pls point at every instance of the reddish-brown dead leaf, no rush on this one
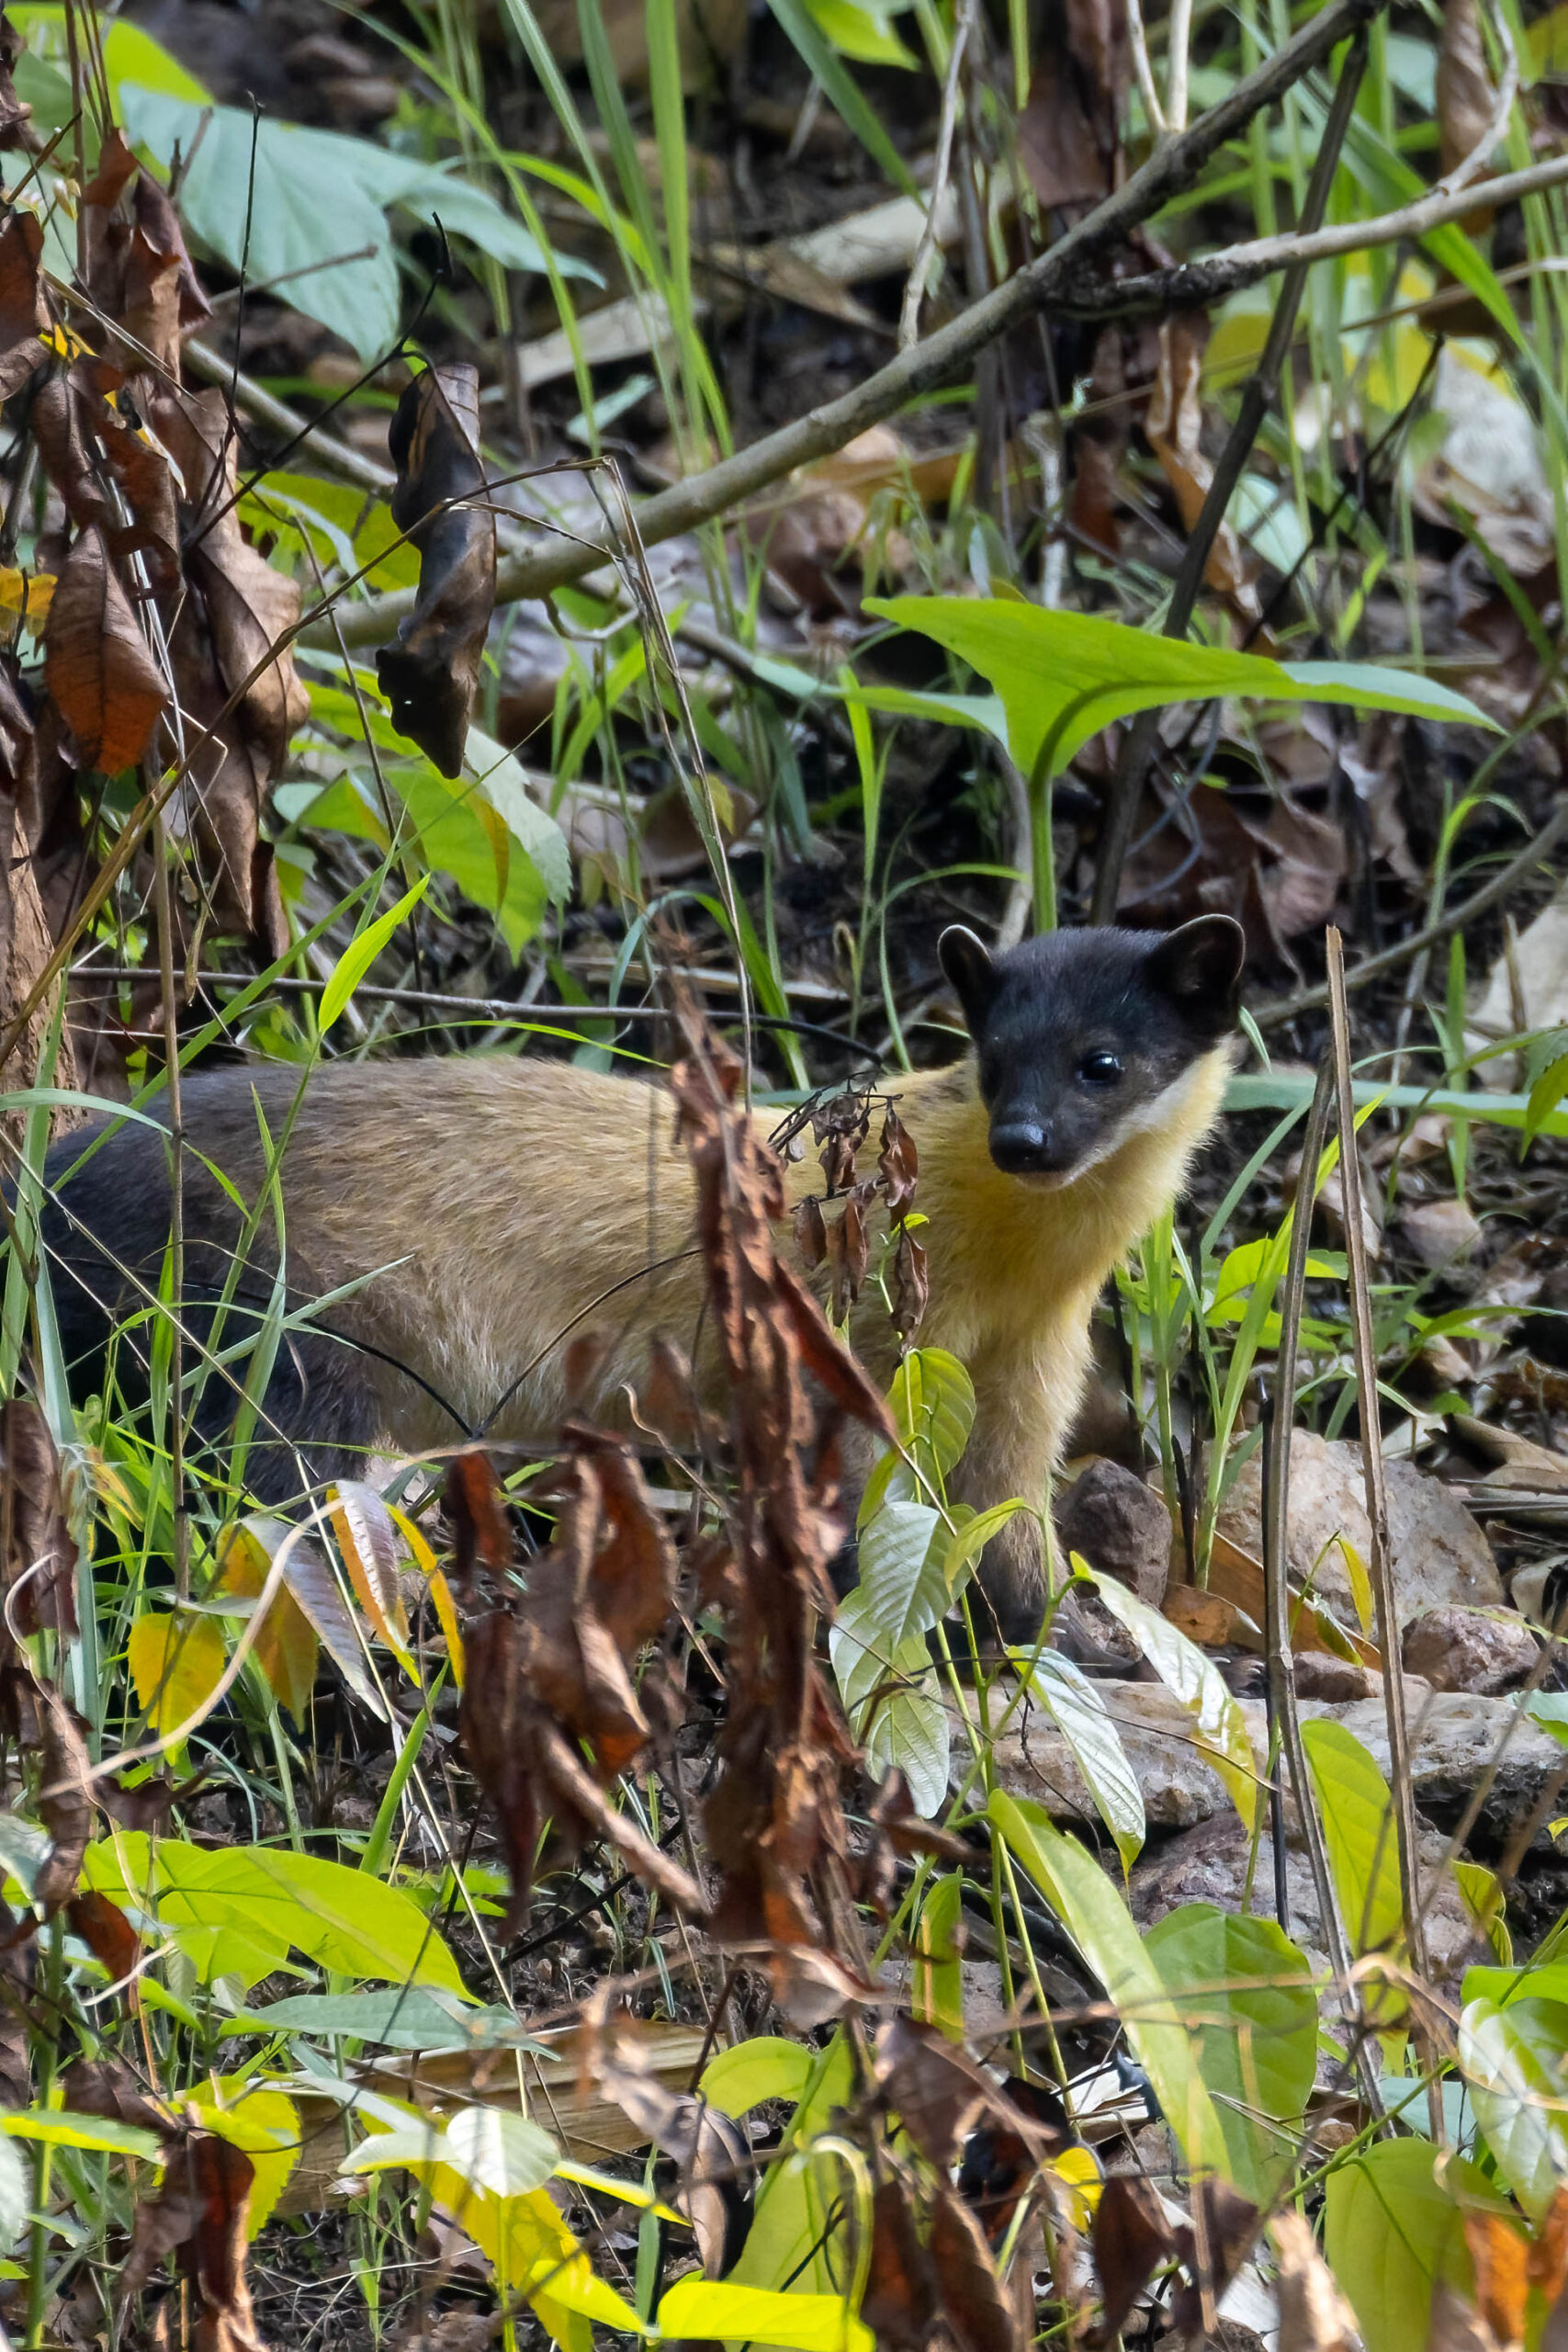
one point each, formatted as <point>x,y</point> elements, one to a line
<point>900,2302</point>
<point>1465,95</point>
<point>39,1558</point>
<point>1546,2265</point>
<point>431,673</point>
<point>810,1231</point>
<point>15,116</point>
<point>55,417</point>
<point>18,1965</point>
<point>64,1804</point>
<point>481,1535</point>
<point>1130,2238</point>
<point>1174,425</point>
<point>24,315</point>
<point>106,2088</point>
<point>1501,2256</point>
<point>978,2311</point>
<point>98,667</point>
<point>711,2151</point>
<point>200,2214</point>
<point>107,1932</point>
<point>1314,2314</point>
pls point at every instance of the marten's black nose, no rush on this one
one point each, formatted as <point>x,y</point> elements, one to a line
<point>1022,1147</point>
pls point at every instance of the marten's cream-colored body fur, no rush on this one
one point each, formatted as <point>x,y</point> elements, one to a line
<point>503,1207</point>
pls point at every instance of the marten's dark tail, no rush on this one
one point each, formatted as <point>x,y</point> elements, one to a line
<point>105,1234</point>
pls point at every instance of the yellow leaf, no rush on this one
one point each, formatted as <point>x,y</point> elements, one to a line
<point>63,343</point>
<point>265,2124</point>
<point>1080,2176</point>
<point>363,1526</point>
<point>28,592</point>
<point>440,1591</point>
<point>177,1663</point>
<point>286,1645</point>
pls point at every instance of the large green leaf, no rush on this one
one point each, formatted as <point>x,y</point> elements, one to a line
<point>500,847</point>
<point>1063,676</point>
<point>336,1916</point>
<point>1101,1926</point>
<point>906,1726</point>
<point>1079,1713</point>
<point>1248,1990</point>
<point>1358,1826</point>
<point>1514,2061</point>
<point>276,201</point>
<point>1392,2230</point>
<point>748,2073</point>
<point>1219,1727</point>
<point>794,2235</point>
<point>933,1404</point>
<point>903,1569</point>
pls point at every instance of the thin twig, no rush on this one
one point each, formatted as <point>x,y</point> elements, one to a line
<point>920,268</point>
<point>1138,747</point>
<point>1389,960</point>
<point>938,358</point>
<point>1379,1562</point>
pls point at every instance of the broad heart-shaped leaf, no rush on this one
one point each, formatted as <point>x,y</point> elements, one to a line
<point>1063,676</point>
<point>890,1695</point>
<point>703,2310</point>
<point>1079,1711</point>
<point>903,1578</point>
<point>500,2151</point>
<point>1514,2061</point>
<point>1101,1926</point>
<point>499,846</point>
<point>1219,1727</point>
<point>749,2073</point>
<point>302,197</point>
<point>1358,1826</point>
<point>336,1916</point>
<point>1392,2228</point>
<point>1248,1989</point>
<point>797,2234</point>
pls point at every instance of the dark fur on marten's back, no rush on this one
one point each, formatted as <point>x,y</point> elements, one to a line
<point>480,1210</point>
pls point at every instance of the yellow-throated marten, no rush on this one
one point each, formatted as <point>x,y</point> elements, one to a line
<point>473,1213</point>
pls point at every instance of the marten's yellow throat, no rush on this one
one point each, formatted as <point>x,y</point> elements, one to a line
<point>464,1216</point>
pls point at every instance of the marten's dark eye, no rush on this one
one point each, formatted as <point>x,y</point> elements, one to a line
<point>1100,1070</point>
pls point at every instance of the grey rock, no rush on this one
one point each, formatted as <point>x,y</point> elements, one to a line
<point>1469,1649</point>
<point>1120,1526</point>
<point>1437,1555</point>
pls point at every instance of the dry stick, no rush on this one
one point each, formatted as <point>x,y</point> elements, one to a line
<point>1389,960</point>
<point>1383,1595</point>
<point>164,917</point>
<point>940,356</point>
<point>1191,284</point>
<point>1283,1708</point>
<point>1138,749</point>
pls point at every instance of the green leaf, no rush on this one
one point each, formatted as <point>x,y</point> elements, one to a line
<point>933,1404</point>
<point>496,2150</point>
<point>1392,2230</point>
<point>361,953</point>
<point>1079,1711</point>
<point>1504,1986</point>
<point>403,2018</point>
<point>696,2308</point>
<point>1219,1727</point>
<point>968,1541</point>
<point>904,1726</point>
<point>1357,1827</point>
<point>902,1572</point>
<point>1513,2060</point>
<point>936,1995</point>
<point>794,2235</point>
<point>1112,1946</point>
<point>501,781</point>
<point>316,195</point>
<point>336,1916</point>
<point>865,34</point>
<point>843,92</point>
<point>129,53</point>
<point>747,2073</point>
<point>1063,676</point>
<point>1249,1991</point>
<point>61,2129</point>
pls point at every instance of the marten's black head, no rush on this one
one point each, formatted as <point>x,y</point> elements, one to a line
<point>1087,1037</point>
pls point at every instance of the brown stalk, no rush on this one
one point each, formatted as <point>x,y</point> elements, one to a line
<point>1379,1563</point>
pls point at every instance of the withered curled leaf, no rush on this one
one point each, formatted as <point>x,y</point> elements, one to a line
<point>431,673</point>
<point>23,312</point>
<point>104,681</point>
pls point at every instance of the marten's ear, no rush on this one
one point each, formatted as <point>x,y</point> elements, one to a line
<point>1199,967</point>
<point>967,962</point>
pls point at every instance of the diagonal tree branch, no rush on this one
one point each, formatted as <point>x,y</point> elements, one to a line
<point>933,361</point>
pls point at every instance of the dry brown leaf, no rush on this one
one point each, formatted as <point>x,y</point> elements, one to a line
<point>103,679</point>
<point>1455,2327</point>
<point>979,2313</point>
<point>899,2304</point>
<point>40,1557</point>
<point>24,314</point>
<point>200,2214</point>
<point>1501,2256</point>
<point>1314,2314</point>
<point>1465,95</point>
<point>15,116</point>
<point>1069,133</point>
<point>431,673</point>
<point>107,1932</point>
<point>1174,425</point>
<point>1130,2238</point>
